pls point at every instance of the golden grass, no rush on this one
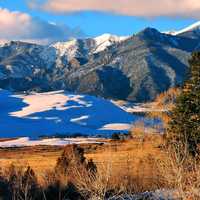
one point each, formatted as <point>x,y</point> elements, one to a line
<point>135,158</point>
<point>41,158</point>
<point>136,165</point>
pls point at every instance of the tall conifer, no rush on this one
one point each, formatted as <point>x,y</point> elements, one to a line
<point>184,126</point>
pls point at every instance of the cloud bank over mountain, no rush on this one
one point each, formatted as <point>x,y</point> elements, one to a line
<point>142,8</point>
<point>17,25</point>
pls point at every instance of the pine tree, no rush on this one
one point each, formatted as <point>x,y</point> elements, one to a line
<point>184,126</point>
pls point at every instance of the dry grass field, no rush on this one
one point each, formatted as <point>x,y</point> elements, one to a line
<point>137,157</point>
<point>134,165</point>
<point>40,158</point>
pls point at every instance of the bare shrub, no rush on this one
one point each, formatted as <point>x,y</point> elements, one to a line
<point>22,183</point>
<point>164,103</point>
<point>73,157</point>
<point>60,183</point>
<point>181,172</point>
<point>4,188</point>
<point>138,130</point>
<point>115,179</point>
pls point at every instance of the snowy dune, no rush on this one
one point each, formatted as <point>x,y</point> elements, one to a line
<point>41,102</point>
<point>25,141</point>
<point>119,127</point>
<point>58,112</point>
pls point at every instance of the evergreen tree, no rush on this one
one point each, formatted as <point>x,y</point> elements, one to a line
<point>184,126</point>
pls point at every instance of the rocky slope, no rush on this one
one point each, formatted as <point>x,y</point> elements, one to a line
<point>134,68</point>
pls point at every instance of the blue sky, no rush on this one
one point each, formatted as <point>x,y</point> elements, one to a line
<point>94,23</point>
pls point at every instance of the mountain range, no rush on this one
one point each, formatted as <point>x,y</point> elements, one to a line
<point>133,68</point>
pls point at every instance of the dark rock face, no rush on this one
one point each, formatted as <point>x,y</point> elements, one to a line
<point>136,69</point>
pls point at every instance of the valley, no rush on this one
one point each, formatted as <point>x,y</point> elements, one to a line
<point>101,118</point>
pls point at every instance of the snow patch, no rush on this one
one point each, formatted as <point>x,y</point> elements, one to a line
<point>117,127</point>
<point>3,42</point>
<point>40,102</point>
<point>68,48</point>
<point>79,120</point>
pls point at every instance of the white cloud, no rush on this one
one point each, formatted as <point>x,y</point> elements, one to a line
<point>21,26</point>
<point>143,8</point>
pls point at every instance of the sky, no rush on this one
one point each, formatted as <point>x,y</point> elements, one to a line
<point>47,21</point>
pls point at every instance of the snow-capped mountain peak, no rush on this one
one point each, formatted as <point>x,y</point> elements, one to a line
<point>106,40</point>
<point>68,48</point>
<point>195,26</point>
<point>109,37</point>
<point>3,42</point>
<point>79,47</point>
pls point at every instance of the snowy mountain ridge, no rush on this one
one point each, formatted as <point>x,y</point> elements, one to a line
<point>193,27</point>
<point>106,40</point>
<point>84,47</point>
<point>113,67</point>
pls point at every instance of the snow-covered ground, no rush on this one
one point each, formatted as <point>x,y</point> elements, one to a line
<point>26,141</point>
<point>163,194</point>
<point>53,113</point>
